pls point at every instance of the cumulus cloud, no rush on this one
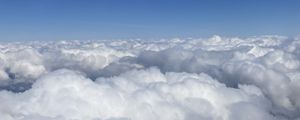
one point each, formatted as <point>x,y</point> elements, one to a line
<point>138,94</point>
<point>214,78</point>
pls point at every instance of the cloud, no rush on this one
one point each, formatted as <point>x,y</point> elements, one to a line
<point>214,78</point>
<point>138,94</point>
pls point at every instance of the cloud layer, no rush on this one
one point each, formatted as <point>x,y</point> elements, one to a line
<point>184,79</point>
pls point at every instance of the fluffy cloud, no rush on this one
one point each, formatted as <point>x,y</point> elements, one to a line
<point>144,94</point>
<point>214,78</point>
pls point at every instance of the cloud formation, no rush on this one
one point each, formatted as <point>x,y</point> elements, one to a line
<point>185,79</point>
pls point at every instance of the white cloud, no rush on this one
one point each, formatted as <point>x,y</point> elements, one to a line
<point>144,94</point>
<point>215,78</point>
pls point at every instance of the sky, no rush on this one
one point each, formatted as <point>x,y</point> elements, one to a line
<point>25,20</point>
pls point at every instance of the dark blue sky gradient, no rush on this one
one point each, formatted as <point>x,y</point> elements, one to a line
<point>114,19</point>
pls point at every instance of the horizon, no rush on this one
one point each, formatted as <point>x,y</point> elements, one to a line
<point>159,39</point>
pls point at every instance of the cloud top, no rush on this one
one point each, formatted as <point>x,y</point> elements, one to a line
<point>185,79</point>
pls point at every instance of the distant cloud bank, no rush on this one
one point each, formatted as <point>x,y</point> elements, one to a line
<point>255,78</point>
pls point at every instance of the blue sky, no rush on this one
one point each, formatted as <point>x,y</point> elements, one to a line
<point>122,19</point>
